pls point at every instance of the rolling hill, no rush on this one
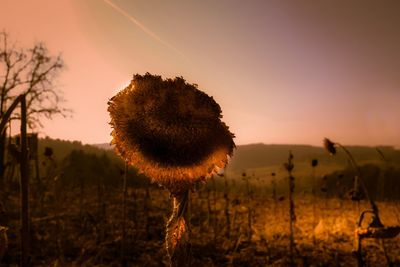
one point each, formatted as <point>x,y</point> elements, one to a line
<point>265,157</point>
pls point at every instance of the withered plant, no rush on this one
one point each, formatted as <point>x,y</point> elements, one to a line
<point>249,207</point>
<point>124,200</point>
<point>382,172</point>
<point>314,164</point>
<point>173,133</point>
<point>358,181</point>
<point>292,215</point>
<point>213,211</point>
<point>226,210</point>
<point>273,184</point>
<point>375,228</point>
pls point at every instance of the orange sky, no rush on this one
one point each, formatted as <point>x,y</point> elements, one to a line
<point>282,71</point>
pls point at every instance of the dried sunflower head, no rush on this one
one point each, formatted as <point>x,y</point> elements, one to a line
<point>171,131</point>
<point>330,146</point>
<point>314,163</point>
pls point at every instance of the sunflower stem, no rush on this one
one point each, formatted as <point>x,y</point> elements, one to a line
<point>177,238</point>
<point>124,197</point>
<point>372,203</point>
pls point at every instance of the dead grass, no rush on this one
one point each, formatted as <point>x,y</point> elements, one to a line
<point>63,236</point>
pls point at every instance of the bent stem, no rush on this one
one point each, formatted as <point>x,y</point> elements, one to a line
<point>177,238</point>
<point>376,220</point>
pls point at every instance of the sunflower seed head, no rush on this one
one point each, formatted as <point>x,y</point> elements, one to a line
<point>330,146</point>
<point>170,130</point>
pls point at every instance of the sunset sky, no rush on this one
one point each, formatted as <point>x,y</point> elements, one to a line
<point>282,71</point>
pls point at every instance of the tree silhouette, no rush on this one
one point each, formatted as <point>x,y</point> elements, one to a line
<point>31,71</point>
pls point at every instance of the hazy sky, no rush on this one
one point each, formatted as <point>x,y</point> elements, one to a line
<point>282,71</point>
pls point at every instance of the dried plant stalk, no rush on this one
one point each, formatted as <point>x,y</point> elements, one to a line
<point>292,215</point>
<point>375,227</point>
<point>146,209</point>
<point>172,132</point>
<point>274,195</point>
<point>226,211</point>
<point>314,164</point>
<point>249,208</point>
<point>124,198</point>
<point>177,237</point>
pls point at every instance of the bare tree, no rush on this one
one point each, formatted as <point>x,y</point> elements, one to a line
<point>31,71</point>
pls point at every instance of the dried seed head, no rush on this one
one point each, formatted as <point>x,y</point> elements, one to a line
<point>314,162</point>
<point>171,131</point>
<point>48,152</point>
<point>288,166</point>
<point>330,146</point>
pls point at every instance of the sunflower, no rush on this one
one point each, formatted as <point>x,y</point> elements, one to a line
<point>170,131</point>
<point>330,146</point>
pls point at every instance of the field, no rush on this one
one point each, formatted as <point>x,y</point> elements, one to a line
<point>237,223</point>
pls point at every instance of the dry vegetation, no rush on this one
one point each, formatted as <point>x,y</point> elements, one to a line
<point>75,229</point>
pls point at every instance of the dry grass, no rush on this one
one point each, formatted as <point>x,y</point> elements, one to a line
<point>65,237</point>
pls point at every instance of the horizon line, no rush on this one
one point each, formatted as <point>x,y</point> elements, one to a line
<point>242,144</point>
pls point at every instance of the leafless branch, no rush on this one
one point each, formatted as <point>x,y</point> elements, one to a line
<point>33,72</point>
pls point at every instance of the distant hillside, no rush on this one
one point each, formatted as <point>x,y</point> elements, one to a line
<point>255,156</point>
<point>262,155</point>
<point>62,148</point>
<point>257,160</point>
